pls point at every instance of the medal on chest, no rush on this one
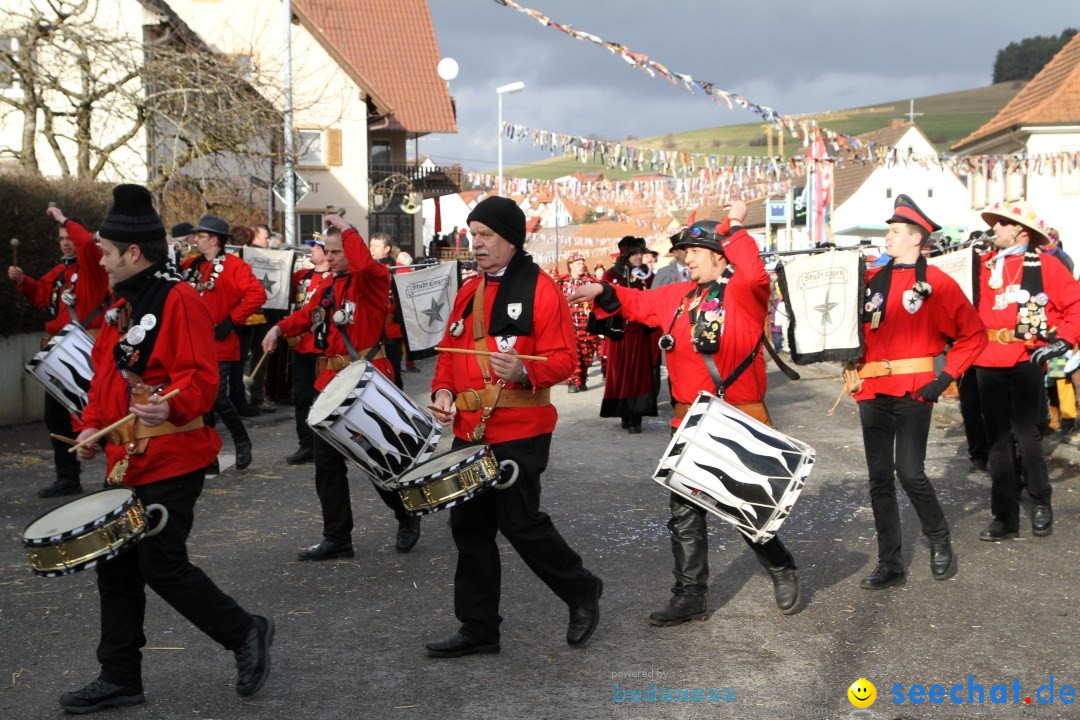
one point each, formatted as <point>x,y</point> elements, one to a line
<point>207,286</point>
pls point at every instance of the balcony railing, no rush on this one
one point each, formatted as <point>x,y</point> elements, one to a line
<point>431,181</point>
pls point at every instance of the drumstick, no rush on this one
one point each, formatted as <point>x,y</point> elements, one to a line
<point>258,365</point>
<point>63,439</point>
<point>469,351</point>
<point>122,421</point>
<point>15,252</point>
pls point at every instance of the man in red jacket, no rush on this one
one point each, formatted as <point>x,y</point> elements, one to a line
<point>232,294</point>
<point>911,312</point>
<point>1030,305</point>
<point>355,299</point>
<point>154,342</point>
<point>304,353</point>
<point>510,308</point>
<point>73,291</point>
<point>719,312</point>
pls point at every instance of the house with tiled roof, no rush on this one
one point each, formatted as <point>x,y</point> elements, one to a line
<point>863,195</point>
<point>354,145</point>
<point>365,84</point>
<point>1044,117</point>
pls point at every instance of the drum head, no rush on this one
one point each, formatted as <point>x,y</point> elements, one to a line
<point>440,463</point>
<point>336,391</point>
<point>78,513</point>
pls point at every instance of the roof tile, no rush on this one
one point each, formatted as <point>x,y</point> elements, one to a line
<point>1052,96</point>
<point>391,44</point>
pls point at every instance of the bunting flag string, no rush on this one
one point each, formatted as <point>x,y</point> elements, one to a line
<point>801,129</point>
<point>754,170</point>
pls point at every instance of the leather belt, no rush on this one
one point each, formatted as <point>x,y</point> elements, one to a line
<point>906,366</point>
<point>855,374</point>
<point>340,362</point>
<point>1006,336</point>
<point>472,400</point>
<point>756,410</point>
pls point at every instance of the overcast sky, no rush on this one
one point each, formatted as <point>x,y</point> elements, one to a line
<point>796,57</point>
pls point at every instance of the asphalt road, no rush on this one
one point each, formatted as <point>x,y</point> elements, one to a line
<point>350,633</point>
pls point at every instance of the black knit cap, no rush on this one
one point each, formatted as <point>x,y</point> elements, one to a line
<point>132,218</point>
<point>503,216</point>
<point>181,230</point>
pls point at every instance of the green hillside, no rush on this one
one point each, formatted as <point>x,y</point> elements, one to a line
<point>946,118</point>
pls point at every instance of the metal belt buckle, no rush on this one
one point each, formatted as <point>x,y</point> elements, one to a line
<point>888,367</point>
<point>1002,336</point>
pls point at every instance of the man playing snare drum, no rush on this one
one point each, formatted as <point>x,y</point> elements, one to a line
<point>510,308</point>
<point>154,342</point>
<point>713,330</point>
<point>73,291</point>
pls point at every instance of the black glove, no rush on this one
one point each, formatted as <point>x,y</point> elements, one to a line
<point>1055,349</point>
<point>931,391</point>
<point>223,329</point>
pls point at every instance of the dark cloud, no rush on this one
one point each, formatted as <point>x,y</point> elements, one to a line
<point>794,57</point>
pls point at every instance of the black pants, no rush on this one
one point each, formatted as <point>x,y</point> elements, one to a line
<point>690,546</point>
<point>332,486</point>
<point>971,410</point>
<point>58,421</point>
<point>237,394</point>
<point>895,430</point>
<point>515,512</point>
<point>225,410</point>
<point>303,392</point>
<point>395,348</point>
<point>1011,410</point>
<point>161,562</point>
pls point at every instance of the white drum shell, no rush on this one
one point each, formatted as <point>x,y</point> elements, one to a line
<point>64,369</point>
<point>735,467</point>
<point>370,420</point>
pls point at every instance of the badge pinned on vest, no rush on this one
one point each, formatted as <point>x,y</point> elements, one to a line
<point>513,310</point>
<point>506,343</point>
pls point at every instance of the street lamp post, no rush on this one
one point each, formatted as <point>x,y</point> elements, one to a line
<point>500,91</point>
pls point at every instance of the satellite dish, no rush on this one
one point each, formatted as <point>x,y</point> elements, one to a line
<point>448,69</point>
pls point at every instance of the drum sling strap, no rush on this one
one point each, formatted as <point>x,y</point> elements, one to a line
<point>338,362</point>
<point>494,394</point>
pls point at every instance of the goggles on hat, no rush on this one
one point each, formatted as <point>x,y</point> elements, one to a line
<point>312,242</point>
<point>697,233</point>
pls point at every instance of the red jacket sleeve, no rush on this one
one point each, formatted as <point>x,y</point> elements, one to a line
<point>750,274</point>
<point>190,368</point>
<point>252,293</point>
<point>299,321</point>
<point>961,322</point>
<point>1064,293</point>
<point>93,282</point>
<point>37,291</point>
<point>372,285</point>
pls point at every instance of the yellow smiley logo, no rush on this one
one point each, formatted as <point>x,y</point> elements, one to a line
<point>862,693</point>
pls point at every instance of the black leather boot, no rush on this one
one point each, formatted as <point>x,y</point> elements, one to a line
<point>680,609</point>
<point>786,588</point>
<point>235,424</point>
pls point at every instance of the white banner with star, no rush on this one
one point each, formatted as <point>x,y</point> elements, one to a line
<point>823,294</point>
<point>426,298</point>
<point>959,265</point>
<point>273,269</point>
